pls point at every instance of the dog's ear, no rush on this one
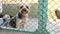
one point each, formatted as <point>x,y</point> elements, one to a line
<point>19,4</point>
<point>30,6</point>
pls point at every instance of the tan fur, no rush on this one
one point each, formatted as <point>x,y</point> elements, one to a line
<point>21,22</point>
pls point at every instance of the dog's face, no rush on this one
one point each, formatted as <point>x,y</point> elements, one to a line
<point>24,8</point>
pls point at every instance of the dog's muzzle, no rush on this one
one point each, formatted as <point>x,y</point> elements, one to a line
<point>24,10</point>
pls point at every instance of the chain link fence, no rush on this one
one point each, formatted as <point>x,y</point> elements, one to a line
<point>10,8</point>
<point>53,25</point>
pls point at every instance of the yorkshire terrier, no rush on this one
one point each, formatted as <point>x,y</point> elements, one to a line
<point>22,16</point>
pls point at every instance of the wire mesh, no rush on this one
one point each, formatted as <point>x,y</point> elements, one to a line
<point>10,9</point>
<point>53,21</point>
<point>53,25</point>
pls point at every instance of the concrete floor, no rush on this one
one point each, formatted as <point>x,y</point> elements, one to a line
<point>33,22</point>
<point>53,26</point>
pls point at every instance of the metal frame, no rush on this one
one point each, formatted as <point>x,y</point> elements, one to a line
<point>42,19</point>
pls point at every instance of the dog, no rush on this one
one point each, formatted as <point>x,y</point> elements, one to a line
<point>22,16</point>
<point>6,19</point>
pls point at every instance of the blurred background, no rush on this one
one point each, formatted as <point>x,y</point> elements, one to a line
<point>53,22</point>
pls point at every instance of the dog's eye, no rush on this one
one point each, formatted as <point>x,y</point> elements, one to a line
<point>21,7</point>
<point>27,7</point>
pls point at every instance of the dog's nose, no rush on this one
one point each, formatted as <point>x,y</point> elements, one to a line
<point>24,9</point>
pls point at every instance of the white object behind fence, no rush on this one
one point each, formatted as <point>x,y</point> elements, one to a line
<point>0,6</point>
<point>1,19</point>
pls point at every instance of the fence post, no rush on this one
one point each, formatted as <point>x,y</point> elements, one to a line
<point>42,16</point>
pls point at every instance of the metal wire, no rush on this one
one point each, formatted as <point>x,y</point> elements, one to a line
<point>10,7</point>
<point>53,20</point>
